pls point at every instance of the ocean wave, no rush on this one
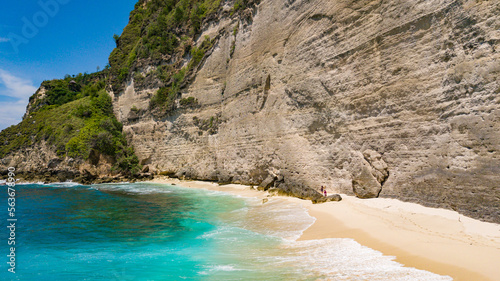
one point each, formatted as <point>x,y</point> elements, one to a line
<point>132,188</point>
<point>210,269</point>
<point>65,184</point>
<point>344,259</point>
<point>226,233</point>
<point>68,184</point>
<point>324,259</point>
<point>277,218</point>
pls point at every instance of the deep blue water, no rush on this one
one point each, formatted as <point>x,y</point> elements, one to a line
<point>151,231</point>
<point>131,232</point>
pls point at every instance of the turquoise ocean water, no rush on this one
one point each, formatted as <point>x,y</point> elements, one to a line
<point>148,231</point>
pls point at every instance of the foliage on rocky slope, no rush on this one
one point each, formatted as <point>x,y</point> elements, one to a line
<point>74,117</point>
<point>158,31</point>
<point>158,48</point>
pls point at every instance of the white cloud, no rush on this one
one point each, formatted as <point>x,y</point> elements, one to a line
<point>11,112</point>
<point>16,87</point>
<point>2,39</point>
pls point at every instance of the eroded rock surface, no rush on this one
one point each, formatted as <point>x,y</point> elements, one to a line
<point>392,98</point>
<point>330,198</point>
<point>395,98</point>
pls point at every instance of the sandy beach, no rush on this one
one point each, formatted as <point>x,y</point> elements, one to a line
<point>435,240</point>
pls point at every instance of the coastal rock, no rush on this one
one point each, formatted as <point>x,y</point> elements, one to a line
<point>379,168</point>
<point>311,88</point>
<point>329,198</point>
<point>268,182</point>
<point>297,189</point>
<point>53,163</point>
<point>364,184</point>
<point>369,174</point>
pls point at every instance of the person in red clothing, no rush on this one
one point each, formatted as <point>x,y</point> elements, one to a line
<point>324,191</point>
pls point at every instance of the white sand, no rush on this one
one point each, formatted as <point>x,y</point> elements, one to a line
<point>436,240</point>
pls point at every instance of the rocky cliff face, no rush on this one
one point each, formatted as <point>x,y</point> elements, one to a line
<point>69,132</point>
<point>395,99</point>
<point>375,98</point>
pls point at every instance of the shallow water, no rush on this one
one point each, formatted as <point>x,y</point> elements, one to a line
<point>161,232</point>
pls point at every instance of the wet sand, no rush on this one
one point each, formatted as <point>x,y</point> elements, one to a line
<point>435,240</point>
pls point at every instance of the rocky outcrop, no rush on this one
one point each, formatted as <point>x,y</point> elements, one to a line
<point>330,198</point>
<point>39,158</point>
<point>40,163</point>
<point>375,98</point>
<point>369,174</point>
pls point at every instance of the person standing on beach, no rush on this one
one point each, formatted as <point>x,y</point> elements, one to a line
<point>324,191</point>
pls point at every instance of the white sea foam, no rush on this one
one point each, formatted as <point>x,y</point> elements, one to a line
<point>331,259</point>
<point>210,269</point>
<point>53,184</point>
<point>346,259</point>
<point>132,188</point>
<point>276,217</point>
<point>214,233</point>
<point>324,259</point>
<point>65,184</point>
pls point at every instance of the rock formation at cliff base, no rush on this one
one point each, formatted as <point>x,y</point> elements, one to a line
<point>374,98</point>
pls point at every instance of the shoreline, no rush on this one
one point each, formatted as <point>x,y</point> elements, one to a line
<point>436,240</point>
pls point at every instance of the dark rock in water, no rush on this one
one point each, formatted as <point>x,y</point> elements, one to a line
<point>330,198</point>
<point>64,175</point>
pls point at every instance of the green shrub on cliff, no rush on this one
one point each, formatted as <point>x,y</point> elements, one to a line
<point>101,131</point>
<point>164,99</point>
<point>72,128</point>
<point>127,161</point>
<point>75,115</point>
<point>163,102</point>
<point>188,102</point>
<point>154,33</point>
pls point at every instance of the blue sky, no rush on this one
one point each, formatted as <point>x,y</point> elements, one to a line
<point>46,39</point>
